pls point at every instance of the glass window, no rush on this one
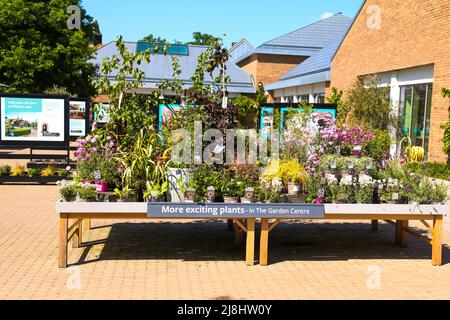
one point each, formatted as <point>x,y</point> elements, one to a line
<point>319,98</point>
<point>303,98</point>
<point>414,113</point>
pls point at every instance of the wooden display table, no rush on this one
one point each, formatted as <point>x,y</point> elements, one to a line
<point>397,215</point>
<point>81,214</point>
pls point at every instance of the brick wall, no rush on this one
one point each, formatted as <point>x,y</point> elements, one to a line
<point>267,68</point>
<point>412,33</point>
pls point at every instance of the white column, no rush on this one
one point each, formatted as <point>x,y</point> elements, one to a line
<point>395,103</point>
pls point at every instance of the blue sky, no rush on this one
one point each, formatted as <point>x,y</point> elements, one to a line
<point>256,20</point>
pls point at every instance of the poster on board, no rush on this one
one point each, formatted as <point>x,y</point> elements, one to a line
<point>78,115</point>
<point>33,119</point>
<point>267,116</point>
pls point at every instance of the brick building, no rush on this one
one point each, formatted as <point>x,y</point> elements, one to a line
<point>276,58</point>
<point>407,45</point>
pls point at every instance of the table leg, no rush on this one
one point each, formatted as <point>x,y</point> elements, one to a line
<point>77,236</point>
<point>436,242</point>
<point>401,236</point>
<point>238,235</point>
<point>374,225</point>
<point>250,250</point>
<point>63,224</point>
<point>264,243</point>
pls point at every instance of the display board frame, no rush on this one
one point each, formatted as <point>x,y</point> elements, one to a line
<point>284,107</point>
<point>39,143</point>
<point>87,117</point>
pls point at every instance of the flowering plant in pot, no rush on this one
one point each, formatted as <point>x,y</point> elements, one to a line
<point>67,190</point>
<point>96,162</point>
<point>86,192</point>
<point>390,190</point>
<point>439,193</point>
<point>232,189</point>
<point>364,189</point>
<point>293,175</point>
<point>346,189</point>
<point>332,189</point>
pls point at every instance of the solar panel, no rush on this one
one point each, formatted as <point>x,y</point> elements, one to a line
<point>171,49</point>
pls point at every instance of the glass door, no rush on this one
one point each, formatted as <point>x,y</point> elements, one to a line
<point>414,113</point>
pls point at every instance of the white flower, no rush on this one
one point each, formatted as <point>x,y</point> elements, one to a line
<point>365,180</point>
<point>347,180</point>
<point>332,179</point>
<point>276,182</point>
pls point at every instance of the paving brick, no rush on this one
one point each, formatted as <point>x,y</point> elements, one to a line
<point>198,260</point>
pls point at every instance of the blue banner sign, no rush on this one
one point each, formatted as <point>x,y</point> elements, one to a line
<point>235,210</point>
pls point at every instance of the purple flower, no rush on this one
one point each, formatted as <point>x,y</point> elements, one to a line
<point>68,168</point>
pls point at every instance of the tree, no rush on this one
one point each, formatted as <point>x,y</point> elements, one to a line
<point>204,39</point>
<point>369,105</point>
<point>342,107</point>
<point>38,51</point>
<point>154,39</point>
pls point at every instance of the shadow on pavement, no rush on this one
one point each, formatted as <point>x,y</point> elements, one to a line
<point>291,241</point>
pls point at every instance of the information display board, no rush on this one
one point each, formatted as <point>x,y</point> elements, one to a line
<point>40,120</point>
<point>78,117</point>
<point>267,114</point>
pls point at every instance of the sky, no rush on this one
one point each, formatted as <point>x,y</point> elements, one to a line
<point>256,20</point>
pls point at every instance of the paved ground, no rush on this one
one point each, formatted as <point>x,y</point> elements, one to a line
<point>173,260</point>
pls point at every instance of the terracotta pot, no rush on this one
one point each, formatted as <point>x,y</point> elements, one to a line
<point>228,199</point>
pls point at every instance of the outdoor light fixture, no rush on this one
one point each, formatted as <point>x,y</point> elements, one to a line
<point>161,96</point>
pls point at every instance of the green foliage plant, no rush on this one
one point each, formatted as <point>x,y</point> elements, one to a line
<point>369,105</point>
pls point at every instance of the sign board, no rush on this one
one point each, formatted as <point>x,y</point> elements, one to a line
<point>78,117</point>
<point>267,115</point>
<point>33,120</point>
<point>235,210</point>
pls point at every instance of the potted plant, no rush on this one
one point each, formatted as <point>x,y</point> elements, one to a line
<point>49,171</point>
<point>364,189</point>
<point>333,189</point>
<point>17,171</point>
<point>346,189</point>
<point>232,190</point>
<point>439,194</point>
<point>248,195</point>
<point>391,190</point>
<point>32,172</point>
<point>293,175</point>
<point>126,194</point>
<point>86,192</point>
<point>67,190</point>
<point>154,192</point>
<point>5,170</point>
